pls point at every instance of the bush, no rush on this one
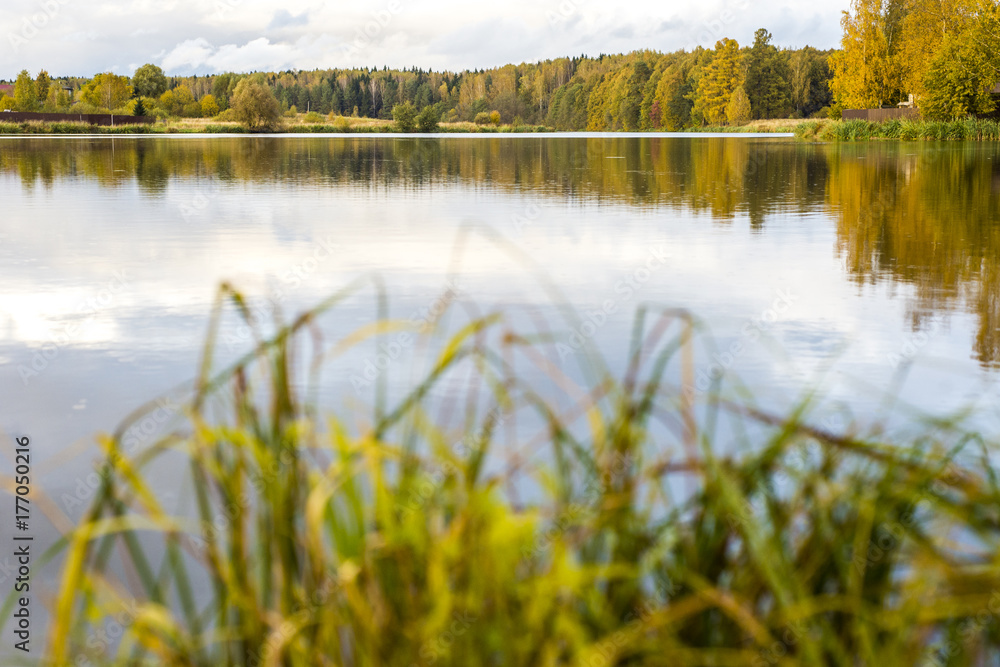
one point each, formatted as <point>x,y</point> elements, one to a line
<point>427,120</point>
<point>209,107</point>
<point>405,116</point>
<point>130,129</point>
<point>254,105</point>
<point>482,118</point>
<point>738,110</point>
<point>225,129</point>
<point>83,107</point>
<point>495,118</point>
<point>313,117</point>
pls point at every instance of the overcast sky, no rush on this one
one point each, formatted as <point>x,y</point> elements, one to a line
<point>78,37</point>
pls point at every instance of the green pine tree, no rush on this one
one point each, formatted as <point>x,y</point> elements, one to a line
<point>768,82</point>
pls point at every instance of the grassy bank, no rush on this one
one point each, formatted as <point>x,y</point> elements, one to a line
<point>779,125</point>
<point>209,126</point>
<point>620,533</point>
<point>906,130</point>
<point>813,130</point>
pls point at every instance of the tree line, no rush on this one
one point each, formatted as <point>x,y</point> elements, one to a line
<point>643,90</point>
<point>946,53</point>
<point>886,199</point>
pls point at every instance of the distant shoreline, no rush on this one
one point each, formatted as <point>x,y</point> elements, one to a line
<point>807,130</point>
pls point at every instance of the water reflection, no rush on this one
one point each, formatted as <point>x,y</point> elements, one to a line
<point>718,176</point>
<point>927,216</point>
<point>915,214</point>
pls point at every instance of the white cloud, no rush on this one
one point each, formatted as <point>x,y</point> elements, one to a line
<point>190,53</point>
<point>205,36</point>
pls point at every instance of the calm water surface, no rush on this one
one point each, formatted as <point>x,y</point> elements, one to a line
<point>859,269</point>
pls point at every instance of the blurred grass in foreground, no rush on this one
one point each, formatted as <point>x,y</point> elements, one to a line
<point>311,546</point>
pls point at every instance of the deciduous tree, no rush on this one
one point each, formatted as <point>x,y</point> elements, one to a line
<point>149,81</point>
<point>961,77</point>
<point>209,107</point>
<point>405,117</point>
<point>631,102</point>
<point>867,71</point>
<point>768,79</point>
<point>42,83</point>
<point>739,111</point>
<point>810,71</point>
<point>721,77</point>
<point>427,119</point>
<point>254,105</point>
<point>108,91</point>
<point>25,93</point>
<point>673,93</point>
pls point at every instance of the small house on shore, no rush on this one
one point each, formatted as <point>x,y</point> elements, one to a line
<point>903,111</point>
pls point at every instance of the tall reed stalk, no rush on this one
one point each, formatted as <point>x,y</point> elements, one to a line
<point>621,534</point>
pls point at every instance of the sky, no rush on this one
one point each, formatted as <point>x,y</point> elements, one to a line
<point>81,38</point>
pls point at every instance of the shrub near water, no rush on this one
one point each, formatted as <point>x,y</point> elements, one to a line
<point>969,129</point>
<point>254,105</point>
<point>401,541</point>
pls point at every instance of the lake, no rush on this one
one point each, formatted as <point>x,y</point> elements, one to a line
<point>869,272</point>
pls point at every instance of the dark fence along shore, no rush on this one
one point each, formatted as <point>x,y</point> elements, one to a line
<point>89,118</point>
<point>879,115</point>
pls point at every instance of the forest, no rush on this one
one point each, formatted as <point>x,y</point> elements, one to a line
<point>943,53</point>
<point>643,90</point>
